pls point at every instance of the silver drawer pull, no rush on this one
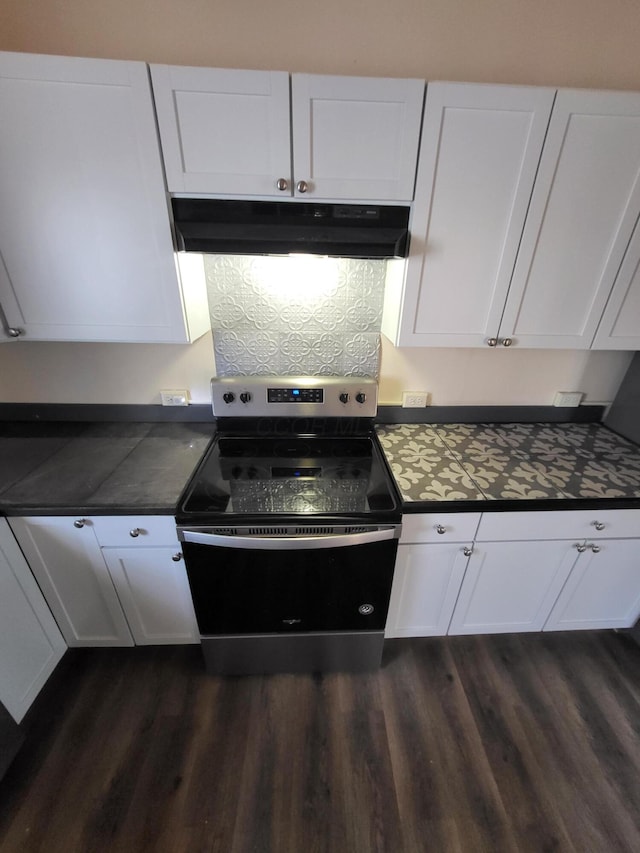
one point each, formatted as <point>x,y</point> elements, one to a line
<point>595,549</point>
<point>79,523</point>
<point>580,547</point>
<point>440,528</point>
<point>177,557</point>
<point>599,525</point>
<point>467,550</point>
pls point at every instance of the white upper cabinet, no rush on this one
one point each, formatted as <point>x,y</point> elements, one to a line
<point>229,132</point>
<point>480,150</point>
<point>86,252</point>
<point>620,324</point>
<point>525,208</point>
<point>584,207</point>
<point>355,137</point>
<point>223,131</point>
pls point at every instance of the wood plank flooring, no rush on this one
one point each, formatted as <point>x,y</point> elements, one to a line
<point>465,744</point>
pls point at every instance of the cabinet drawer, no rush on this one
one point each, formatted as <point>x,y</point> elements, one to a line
<point>150,530</point>
<point>572,524</point>
<point>426,527</point>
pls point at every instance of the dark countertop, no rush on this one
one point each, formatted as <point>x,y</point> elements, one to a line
<point>456,467</point>
<point>128,468</point>
<point>69,468</point>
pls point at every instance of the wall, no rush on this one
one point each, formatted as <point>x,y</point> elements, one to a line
<point>585,43</point>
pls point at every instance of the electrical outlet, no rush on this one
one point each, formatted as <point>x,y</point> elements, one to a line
<point>179,397</point>
<point>415,399</point>
<point>568,398</point>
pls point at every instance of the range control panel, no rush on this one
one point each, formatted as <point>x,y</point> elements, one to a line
<point>321,396</point>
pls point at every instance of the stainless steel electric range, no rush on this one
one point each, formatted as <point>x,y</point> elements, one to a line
<point>290,527</point>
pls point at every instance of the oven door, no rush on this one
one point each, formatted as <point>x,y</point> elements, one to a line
<point>290,584</point>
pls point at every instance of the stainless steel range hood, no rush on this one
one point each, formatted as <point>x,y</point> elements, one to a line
<point>279,228</point>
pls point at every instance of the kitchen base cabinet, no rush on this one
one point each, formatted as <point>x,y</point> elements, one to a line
<point>154,592</point>
<point>74,579</point>
<point>426,583</point>
<point>603,590</point>
<point>433,554</point>
<point>111,580</point>
<point>30,643</point>
<point>511,586</point>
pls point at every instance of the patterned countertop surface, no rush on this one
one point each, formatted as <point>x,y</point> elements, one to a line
<point>510,462</point>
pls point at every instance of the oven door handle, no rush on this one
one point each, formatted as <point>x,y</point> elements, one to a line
<point>293,543</point>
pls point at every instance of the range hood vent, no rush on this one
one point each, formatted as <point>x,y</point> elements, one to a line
<point>282,228</point>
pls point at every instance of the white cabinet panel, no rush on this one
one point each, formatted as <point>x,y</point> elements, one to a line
<point>426,582</point>
<point>439,527</point>
<point>603,590</point>
<point>479,153</point>
<point>74,579</point>
<point>223,131</point>
<point>154,592</point>
<point>138,530</point>
<point>511,586</point>
<point>583,210</point>
<point>355,137</point>
<point>569,524</point>
<point>620,324</point>
<point>86,251</point>
<point>229,132</point>
<point>30,643</point>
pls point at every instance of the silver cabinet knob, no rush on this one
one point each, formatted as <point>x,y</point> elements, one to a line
<point>506,342</point>
<point>492,342</point>
<point>467,550</point>
<point>580,547</point>
<point>595,548</point>
<point>282,184</point>
<point>599,525</point>
<point>15,333</point>
<point>177,557</point>
<point>440,528</point>
<point>134,533</point>
<point>79,522</point>
<point>302,186</point>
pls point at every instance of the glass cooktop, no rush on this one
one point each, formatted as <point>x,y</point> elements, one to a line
<point>290,475</point>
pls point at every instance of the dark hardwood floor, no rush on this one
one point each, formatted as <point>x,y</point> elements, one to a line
<point>466,744</point>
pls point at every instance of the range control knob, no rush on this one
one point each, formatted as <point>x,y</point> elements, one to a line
<point>228,396</point>
<point>361,397</point>
<point>344,397</point>
<point>245,396</point>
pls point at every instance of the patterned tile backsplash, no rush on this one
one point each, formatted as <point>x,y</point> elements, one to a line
<point>295,315</point>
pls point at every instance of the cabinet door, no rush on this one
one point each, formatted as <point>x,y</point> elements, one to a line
<point>154,592</point>
<point>426,583</point>
<point>583,210</point>
<point>224,131</point>
<point>620,324</point>
<point>511,586</point>
<point>603,590</point>
<point>478,158</point>
<point>86,252</point>
<point>30,643</point>
<point>355,137</point>
<point>74,579</point>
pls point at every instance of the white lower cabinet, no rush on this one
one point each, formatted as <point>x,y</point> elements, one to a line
<point>525,571</point>
<point>30,643</point>
<point>511,586</point>
<point>603,590</point>
<point>432,558</point>
<point>111,595</point>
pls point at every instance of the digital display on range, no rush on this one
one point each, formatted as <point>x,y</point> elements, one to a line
<point>295,395</point>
